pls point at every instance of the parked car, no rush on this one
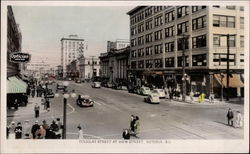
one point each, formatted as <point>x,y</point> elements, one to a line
<point>152,98</point>
<point>96,85</point>
<point>144,91</point>
<point>50,94</point>
<point>85,101</point>
<point>60,86</point>
<point>77,80</point>
<point>161,93</point>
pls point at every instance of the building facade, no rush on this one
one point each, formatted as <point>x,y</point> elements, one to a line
<point>14,42</point>
<point>114,65</point>
<point>187,46</point>
<point>38,69</point>
<point>72,47</point>
<point>118,44</point>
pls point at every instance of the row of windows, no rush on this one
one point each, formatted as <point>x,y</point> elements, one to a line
<point>197,60</point>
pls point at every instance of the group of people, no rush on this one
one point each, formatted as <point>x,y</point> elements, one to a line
<point>36,131</point>
<point>238,120</point>
<point>133,129</point>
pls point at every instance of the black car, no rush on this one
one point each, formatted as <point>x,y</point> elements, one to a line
<point>49,94</point>
<point>85,101</point>
<point>60,86</point>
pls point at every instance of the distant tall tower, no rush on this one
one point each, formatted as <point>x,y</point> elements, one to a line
<point>72,48</point>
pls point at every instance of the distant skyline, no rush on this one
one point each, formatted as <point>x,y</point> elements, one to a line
<point>42,28</point>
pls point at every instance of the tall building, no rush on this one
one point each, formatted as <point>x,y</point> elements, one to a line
<point>118,44</point>
<point>72,48</point>
<point>164,37</point>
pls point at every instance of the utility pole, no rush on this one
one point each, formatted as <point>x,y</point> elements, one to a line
<point>228,46</point>
<point>183,68</point>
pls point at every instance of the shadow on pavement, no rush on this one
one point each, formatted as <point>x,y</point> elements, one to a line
<point>221,123</point>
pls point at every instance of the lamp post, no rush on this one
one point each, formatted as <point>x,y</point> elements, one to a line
<point>221,77</point>
<point>66,95</point>
<point>185,78</point>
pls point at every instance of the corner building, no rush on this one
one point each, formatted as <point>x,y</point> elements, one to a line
<point>160,35</point>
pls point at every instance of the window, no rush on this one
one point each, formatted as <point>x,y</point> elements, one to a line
<point>179,61</point>
<point>223,21</point>
<point>133,31</point>
<point>133,42</point>
<point>140,40</point>
<point>149,37</point>
<point>149,63</point>
<point>157,8</point>
<point>198,23</point>
<point>200,60</point>
<point>149,50</point>
<point>182,11</point>
<point>158,21</point>
<point>241,22</point>
<point>141,64</point>
<point>182,27</point>
<point>221,59</point>
<point>140,28</point>
<point>169,47</point>
<point>158,35</point>
<point>169,17</point>
<point>242,41</point>
<point>242,58</point>
<point>169,31</point>
<point>197,8</point>
<point>241,8</point>
<point>216,6</point>
<point>158,48</point>
<point>149,25</point>
<point>133,54</point>
<point>221,40</point>
<point>133,64</point>
<point>158,63</point>
<point>169,62</point>
<point>141,52</point>
<point>148,12</point>
<point>180,43</point>
<point>231,7</point>
<point>199,41</point>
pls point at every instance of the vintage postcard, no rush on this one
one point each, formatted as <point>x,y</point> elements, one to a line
<point>124,76</point>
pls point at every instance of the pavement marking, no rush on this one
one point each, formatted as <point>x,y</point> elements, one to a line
<point>98,103</point>
<point>73,109</point>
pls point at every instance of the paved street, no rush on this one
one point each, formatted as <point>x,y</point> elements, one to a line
<point>112,110</point>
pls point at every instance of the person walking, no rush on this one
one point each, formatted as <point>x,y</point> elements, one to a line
<point>16,104</point>
<point>126,134</point>
<point>12,128</point>
<point>33,92</point>
<point>26,129</point>
<point>239,120</point>
<point>37,109</point>
<point>137,126</point>
<point>191,96</point>
<point>132,124</point>
<point>34,128</point>
<point>18,131</point>
<point>230,116</point>
<point>48,105</point>
<point>80,132</point>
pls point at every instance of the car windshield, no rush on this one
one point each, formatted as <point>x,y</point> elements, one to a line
<point>154,91</point>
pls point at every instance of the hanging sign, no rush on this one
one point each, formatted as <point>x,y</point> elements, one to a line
<point>19,57</point>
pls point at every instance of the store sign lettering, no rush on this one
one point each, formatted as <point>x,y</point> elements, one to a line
<point>19,57</point>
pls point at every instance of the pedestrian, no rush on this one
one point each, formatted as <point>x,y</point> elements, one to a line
<point>230,116</point>
<point>48,105</point>
<point>34,128</point>
<point>137,126</point>
<point>12,128</point>
<point>59,123</point>
<point>45,125</point>
<point>50,134</point>
<point>191,96</point>
<point>80,132</point>
<point>18,131</point>
<point>37,91</point>
<point>36,109</point>
<point>211,98</point>
<point>16,104</point>
<point>126,134</point>
<point>40,133</point>
<point>33,92</point>
<point>239,120</point>
<point>132,124</point>
<point>26,129</point>
<point>54,126</point>
<point>25,97</point>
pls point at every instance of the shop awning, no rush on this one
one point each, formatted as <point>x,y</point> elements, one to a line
<point>16,85</point>
<point>234,80</point>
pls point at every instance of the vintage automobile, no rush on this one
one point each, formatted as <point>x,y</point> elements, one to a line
<point>161,93</point>
<point>77,80</point>
<point>143,91</point>
<point>152,98</point>
<point>60,86</point>
<point>96,85</point>
<point>85,101</point>
<point>49,94</point>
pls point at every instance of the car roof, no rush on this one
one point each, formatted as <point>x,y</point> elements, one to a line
<point>85,96</point>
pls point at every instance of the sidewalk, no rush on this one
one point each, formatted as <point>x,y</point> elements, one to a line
<point>24,111</point>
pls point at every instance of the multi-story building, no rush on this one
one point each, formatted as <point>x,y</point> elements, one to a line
<point>118,44</point>
<point>163,38</point>
<point>114,65</point>
<point>72,48</point>
<point>38,69</point>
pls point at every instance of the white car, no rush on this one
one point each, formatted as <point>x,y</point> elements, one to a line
<point>144,91</point>
<point>152,98</point>
<point>161,93</point>
<point>96,85</point>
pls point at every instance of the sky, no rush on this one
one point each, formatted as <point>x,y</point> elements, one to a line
<point>42,28</point>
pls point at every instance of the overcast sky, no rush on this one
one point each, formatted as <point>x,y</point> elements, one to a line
<point>42,27</point>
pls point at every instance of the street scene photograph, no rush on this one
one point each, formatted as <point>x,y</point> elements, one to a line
<point>151,72</point>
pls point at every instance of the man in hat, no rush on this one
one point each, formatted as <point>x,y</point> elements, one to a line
<point>18,131</point>
<point>37,109</point>
<point>230,116</point>
<point>34,128</point>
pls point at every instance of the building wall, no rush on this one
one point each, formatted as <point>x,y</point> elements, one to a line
<point>72,48</point>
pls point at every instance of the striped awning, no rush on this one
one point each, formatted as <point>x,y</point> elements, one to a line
<point>234,80</point>
<point>16,85</point>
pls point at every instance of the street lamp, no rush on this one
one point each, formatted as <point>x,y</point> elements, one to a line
<point>185,78</point>
<point>66,95</point>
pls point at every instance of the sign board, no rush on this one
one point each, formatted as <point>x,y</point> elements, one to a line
<point>19,57</point>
